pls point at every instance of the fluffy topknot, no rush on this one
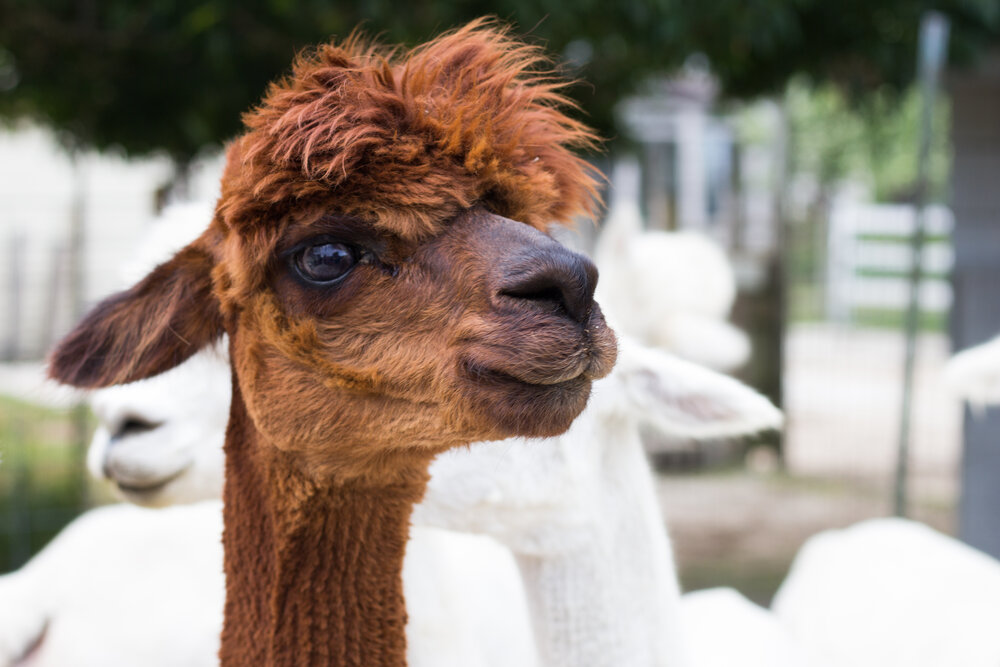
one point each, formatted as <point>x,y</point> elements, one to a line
<point>406,140</point>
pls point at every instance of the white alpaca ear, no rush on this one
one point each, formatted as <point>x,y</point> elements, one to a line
<point>682,400</point>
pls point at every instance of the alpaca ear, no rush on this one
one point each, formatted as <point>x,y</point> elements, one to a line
<point>146,330</point>
<point>683,400</point>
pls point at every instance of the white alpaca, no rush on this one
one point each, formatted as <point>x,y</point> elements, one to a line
<point>673,290</point>
<point>160,440</point>
<point>974,374</point>
<point>124,586</point>
<point>722,629</point>
<point>893,592</point>
<point>121,585</point>
<point>579,511</point>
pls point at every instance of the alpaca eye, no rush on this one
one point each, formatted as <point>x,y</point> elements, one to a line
<point>325,263</point>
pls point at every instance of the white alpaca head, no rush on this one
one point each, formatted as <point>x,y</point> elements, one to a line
<point>160,440</point>
<point>673,290</point>
<point>974,374</point>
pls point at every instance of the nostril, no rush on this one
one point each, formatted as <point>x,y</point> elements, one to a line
<point>133,425</point>
<point>537,291</point>
<point>563,282</point>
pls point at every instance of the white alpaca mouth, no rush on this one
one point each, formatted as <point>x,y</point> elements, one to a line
<point>147,488</point>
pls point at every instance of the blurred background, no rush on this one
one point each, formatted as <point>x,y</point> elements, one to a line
<point>823,146</point>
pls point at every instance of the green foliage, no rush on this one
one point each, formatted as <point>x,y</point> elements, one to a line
<point>170,76</point>
<point>175,75</point>
<point>875,141</point>
<point>891,136</point>
<point>43,484</point>
<point>827,136</point>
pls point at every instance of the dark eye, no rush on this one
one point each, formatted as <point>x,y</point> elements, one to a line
<point>325,262</point>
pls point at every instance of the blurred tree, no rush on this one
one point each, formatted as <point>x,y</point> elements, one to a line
<point>891,131</point>
<point>858,44</point>
<point>175,75</point>
<point>149,76</point>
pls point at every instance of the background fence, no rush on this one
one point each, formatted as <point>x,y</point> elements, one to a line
<point>840,346</point>
<point>869,258</point>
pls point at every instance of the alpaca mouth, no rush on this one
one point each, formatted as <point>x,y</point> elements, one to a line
<point>542,352</point>
<point>486,375</point>
<point>147,488</point>
<point>534,378</point>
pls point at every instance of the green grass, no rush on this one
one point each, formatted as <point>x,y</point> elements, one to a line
<point>806,302</point>
<point>757,580</point>
<point>893,238</point>
<point>43,482</point>
<point>894,319</point>
<point>871,272</point>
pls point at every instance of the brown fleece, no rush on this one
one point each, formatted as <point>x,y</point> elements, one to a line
<point>118,342</point>
<point>313,573</point>
<point>457,320</point>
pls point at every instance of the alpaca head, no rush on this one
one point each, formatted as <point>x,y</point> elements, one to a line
<point>377,261</point>
<point>159,440</point>
<point>673,290</point>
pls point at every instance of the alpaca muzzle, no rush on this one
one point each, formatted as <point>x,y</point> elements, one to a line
<point>530,354</point>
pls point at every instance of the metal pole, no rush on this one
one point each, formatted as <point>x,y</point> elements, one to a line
<point>933,49</point>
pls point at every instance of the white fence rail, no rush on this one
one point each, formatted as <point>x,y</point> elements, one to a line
<point>870,258</point>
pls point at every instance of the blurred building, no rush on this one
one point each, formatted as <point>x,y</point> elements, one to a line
<point>695,170</point>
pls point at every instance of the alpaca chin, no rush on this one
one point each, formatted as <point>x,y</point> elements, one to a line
<point>513,410</point>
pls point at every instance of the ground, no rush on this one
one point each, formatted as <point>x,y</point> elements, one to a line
<point>843,386</point>
<point>743,529</point>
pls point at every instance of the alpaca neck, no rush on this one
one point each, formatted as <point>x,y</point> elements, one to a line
<point>313,573</point>
<point>612,599</point>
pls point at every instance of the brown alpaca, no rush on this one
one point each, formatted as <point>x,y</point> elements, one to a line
<point>376,260</point>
